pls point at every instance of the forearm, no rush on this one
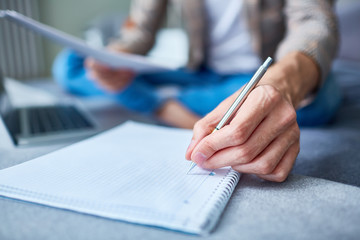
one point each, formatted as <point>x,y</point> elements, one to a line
<point>311,28</point>
<point>139,30</point>
<point>295,76</point>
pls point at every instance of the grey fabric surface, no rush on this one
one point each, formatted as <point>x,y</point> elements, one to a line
<point>333,152</point>
<point>301,208</point>
<point>349,18</point>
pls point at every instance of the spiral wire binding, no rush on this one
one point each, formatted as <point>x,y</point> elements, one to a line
<point>221,195</point>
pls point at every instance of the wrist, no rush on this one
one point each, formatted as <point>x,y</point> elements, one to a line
<point>295,76</point>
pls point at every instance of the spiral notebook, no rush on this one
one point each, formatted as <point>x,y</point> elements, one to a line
<point>134,173</point>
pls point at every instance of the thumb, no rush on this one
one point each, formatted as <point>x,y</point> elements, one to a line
<point>206,125</point>
<point>202,128</point>
<point>204,150</point>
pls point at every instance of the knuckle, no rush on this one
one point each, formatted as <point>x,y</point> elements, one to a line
<point>289,115</point>
<point>208,144</point>
<point>280,176</point>
<point>293,136</point>
<point>236,168</point>
<point>271,94</point>
<point>238,136</point>
<point>296,132</point>
<point>243,155</point>
<point>264,138</point>
<point>265,168</point>
<point>297,148</point>
<point>199,124</point>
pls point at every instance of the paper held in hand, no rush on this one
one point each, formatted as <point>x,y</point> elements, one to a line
<point>137,63</point>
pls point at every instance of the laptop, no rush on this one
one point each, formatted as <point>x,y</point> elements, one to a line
<point>39,125</point>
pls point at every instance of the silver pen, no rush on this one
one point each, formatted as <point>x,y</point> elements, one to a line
<point>241,98</point>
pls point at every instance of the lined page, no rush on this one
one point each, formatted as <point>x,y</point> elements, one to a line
<point>134,172</point>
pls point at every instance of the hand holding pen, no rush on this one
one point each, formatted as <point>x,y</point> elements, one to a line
<point>261,137</point>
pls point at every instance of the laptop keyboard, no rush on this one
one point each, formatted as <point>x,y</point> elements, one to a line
<point>50,119</point>
<point>55,119</point>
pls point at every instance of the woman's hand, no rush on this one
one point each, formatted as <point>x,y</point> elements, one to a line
<point>109,79</point>
<point>263,136</point>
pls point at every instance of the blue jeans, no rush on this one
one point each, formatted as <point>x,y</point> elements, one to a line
<point>199,91</point>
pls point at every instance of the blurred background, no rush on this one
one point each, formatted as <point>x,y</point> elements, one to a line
<point>24,55</point>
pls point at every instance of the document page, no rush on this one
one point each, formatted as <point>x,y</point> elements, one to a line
<point>137,63</point>
<point>134,172</point>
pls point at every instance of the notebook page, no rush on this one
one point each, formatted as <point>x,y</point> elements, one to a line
<point>134,173</point>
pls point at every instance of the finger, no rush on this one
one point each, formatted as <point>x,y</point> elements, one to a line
<point>266,162</point>
<point>111,77</point>
<point>94,65</point>
<point>101,76</point>
<point>280,119</point>
<point>254,109</point>
<point>89,62</point>
<point>113,82</point>
<point>111,86</point>
<point>201,129</point>
<point>99,72</point>
<point>284,167</point>
<point>206,125</point>
<point>260,102</point>
<point>98,76</point>
<point>100,68</point>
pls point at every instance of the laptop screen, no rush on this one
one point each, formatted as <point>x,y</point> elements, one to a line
<point>5,105</point>
<point>2,93</point>
<point>43,124</point>
<point>2,88</point>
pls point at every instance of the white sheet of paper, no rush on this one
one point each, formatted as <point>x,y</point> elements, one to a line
<point>134,172</point>
<point>137,63</point>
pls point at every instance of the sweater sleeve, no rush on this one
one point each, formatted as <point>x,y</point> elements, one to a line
<point>138,32</point>
<point>311,29</point>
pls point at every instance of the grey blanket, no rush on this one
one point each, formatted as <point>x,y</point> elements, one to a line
<point>323,206</point>
<point>333,152</point>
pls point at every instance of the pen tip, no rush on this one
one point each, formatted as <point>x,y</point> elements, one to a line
<point>191,167</point>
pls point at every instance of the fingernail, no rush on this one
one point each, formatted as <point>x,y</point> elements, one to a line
<point>190,145</point>
<point>199,158</point>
